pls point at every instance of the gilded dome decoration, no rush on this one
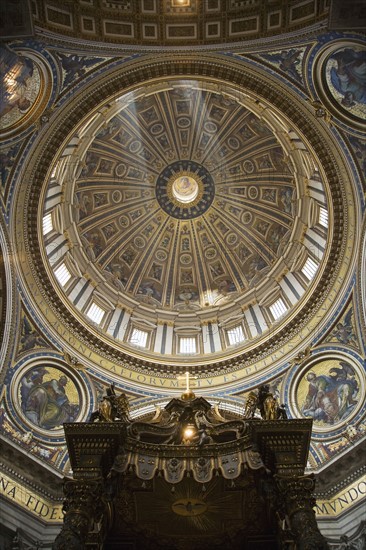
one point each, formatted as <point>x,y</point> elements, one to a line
<point>186,205</point>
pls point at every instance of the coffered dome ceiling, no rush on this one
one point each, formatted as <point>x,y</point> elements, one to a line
<point>185,201</point>
<point>175,22</point>
<point>185,221</point>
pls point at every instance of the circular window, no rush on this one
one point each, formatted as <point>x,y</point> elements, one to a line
<point>185,189</point>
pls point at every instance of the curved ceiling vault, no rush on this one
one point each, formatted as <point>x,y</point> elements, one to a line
<point>185,221</point>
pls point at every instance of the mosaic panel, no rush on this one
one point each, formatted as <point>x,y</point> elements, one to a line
<point>48,397</point>
<point>329,392</point>
<point>22,85</point>
<point>289,61</point>
<point>345,72</point>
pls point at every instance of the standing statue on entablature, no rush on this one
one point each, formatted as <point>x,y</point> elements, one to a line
<point>267,404</point>
<point>112,408</point>
<point>270,407</point>
<point>251,405</point>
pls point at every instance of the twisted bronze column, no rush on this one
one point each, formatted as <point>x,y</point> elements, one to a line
<point>297,500</point>
<point>84,504</point>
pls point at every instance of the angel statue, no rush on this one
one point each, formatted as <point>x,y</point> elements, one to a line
<point>251,405</point>
<point>111,408</point>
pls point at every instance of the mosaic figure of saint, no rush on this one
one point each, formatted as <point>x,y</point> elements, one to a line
<point>349,76</point>
<point>15,73</point>
<point>45,403</point>
<point>331,396</point>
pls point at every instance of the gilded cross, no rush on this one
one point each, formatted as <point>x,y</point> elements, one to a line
<point>187,377</point>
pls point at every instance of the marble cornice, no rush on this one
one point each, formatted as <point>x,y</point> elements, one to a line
<point>341,473</point>
<point>29,473</point>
